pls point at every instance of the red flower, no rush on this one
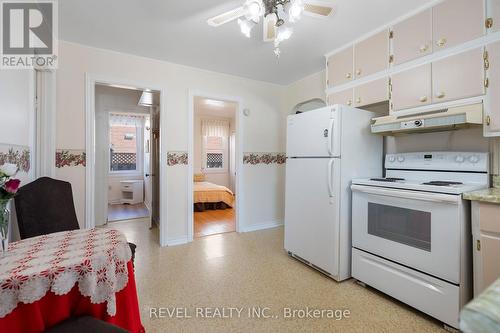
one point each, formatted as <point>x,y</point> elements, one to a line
<point>12,185</point>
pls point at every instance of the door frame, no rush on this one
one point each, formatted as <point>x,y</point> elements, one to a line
<point>239,157</point>
<point>90,82</point>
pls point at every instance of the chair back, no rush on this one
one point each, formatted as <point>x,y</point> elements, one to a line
<point>45,206</point>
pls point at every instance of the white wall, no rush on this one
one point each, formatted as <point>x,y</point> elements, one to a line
<point>263,130</point>
<point>310,87</point>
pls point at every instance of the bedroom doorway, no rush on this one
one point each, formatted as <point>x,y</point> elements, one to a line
<point>213,165</point>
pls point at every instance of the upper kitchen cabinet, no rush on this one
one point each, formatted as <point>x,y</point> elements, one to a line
<point>412,88</point>
<point>412,38</point>
<point>340,67</point>
<point>457,21</point>
<point>371,93</point>
<point>371,55</point>
<point>459,76</point>
<point>492,111</point>
<point>493,22</point>
<point>342,97</point>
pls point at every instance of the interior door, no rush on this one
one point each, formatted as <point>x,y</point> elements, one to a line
<point>314,133</point>
<point>148,190</point>
<point>311,211</point>
<point>155,166</point>
<point>232,162</point>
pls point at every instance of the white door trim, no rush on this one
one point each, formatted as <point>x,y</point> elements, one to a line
<point>239,157</point>
<point>90,81</point>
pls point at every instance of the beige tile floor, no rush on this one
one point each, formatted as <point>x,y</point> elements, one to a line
<point>252,270</point>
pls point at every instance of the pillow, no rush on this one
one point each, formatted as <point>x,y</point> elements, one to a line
<point>199,177</point>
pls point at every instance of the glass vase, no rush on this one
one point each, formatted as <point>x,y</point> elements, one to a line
<point>4,226</point>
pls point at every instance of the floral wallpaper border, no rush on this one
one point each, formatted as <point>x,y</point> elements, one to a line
<point>177,158</point>
<point>264,158</point>
<point>19,155</point>
<point>70,158</point>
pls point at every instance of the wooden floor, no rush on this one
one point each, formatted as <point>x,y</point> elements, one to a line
<point>127,212</point>
<point>211,222</point>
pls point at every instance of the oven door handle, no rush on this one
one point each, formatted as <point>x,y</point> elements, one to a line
<point>405,194</point>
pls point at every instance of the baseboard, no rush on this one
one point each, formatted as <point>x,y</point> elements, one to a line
<point>177,241</point>
<point>262,226</point>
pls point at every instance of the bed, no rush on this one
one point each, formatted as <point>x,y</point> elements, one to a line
<point>207,195</point>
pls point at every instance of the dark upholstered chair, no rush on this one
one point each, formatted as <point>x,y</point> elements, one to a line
<point>46,206</point>
<point>85,325</point>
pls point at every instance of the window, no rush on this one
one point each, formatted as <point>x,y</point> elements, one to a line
<point>125,140</point>
<point>215,146</point>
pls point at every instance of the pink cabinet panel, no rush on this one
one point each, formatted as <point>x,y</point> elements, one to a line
<point>457,21</point>
<point>412,38</point>
<point>342,97</point>
<point>492,110</point>
<point>494,13</point>
<point>340,67</point>
<point>372,55</point>
<point>370,93</point>
<point>490,243</point>
<point>412,88</point>
<point>459,76</point>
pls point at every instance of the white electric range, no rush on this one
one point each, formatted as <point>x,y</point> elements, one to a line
<point>411,231</point>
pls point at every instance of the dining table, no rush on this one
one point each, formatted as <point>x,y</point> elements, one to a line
<point>48,279</point>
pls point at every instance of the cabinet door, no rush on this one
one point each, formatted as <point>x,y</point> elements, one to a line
<point>412,38</point>
<point>412,88</point>
<point>490,243</point>
<point>372,55</point>
<point>492,112</point>
<point>494,14</point>
<point>371,93</point>
<point>342,97</point>
<point>340,67</point>
<point>457,21</point>
<point>459,76</point>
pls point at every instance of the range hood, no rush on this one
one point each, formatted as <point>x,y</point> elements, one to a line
<point>430,121</point>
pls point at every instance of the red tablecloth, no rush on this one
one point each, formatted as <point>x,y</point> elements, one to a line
<point>53,309</point>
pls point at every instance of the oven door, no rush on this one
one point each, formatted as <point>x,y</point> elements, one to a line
<point>420,230</point>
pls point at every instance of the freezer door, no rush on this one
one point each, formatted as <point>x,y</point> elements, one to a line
<point>311,207</point>
<point>314,133</point>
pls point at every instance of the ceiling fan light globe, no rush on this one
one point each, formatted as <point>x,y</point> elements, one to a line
<point>245,27</point>
<point>284,34</point>
<point>295,11</point>
<point>254,10</point>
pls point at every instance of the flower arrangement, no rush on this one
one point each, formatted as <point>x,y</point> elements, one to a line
<point>8,189</point>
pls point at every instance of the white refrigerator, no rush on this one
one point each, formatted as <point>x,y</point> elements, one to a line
<point>326,148</point>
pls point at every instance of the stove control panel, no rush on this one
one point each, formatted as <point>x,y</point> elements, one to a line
<point>445,161</point>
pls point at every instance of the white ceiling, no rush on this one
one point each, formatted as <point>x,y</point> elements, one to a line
<point>176,31</point>
<point>225,110</point>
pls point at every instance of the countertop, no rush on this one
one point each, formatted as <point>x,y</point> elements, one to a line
<point>488,195</point>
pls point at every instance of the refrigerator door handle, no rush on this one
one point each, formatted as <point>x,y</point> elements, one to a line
<point>330,177</point>
<point>330,137</point>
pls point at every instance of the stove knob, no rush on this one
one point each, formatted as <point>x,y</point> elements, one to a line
<point>392,159</point>
<point>459,159</point>
<point>474,159</point>
<point>401,159</point>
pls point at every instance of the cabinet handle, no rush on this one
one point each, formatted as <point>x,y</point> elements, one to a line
<point>423,99</point>
<point>424,48</point>
<point>348,75</point>
<point>488,120</point>
<point>358,72</point>
<point>441,42</point>
<point>441,94</point>
<point>358,100</point>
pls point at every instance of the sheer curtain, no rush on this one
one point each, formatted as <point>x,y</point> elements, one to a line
<point>217,128</point>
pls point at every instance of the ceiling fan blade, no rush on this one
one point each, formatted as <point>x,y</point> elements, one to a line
<point>318,8</point>
<point>226,17</point>
<point>270,29</point>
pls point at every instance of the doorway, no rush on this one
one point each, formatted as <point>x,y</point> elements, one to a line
<point>214,150</point>
<point>126,155</point>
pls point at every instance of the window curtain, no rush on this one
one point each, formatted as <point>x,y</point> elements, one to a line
<point>212,127</point>
<point>116,119</point>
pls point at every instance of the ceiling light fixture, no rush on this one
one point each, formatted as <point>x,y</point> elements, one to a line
<point>276,14</point>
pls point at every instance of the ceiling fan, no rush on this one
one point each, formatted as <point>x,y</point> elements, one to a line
<point>276,15</point>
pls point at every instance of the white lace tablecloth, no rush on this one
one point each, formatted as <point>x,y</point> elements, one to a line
<point>95,260</point>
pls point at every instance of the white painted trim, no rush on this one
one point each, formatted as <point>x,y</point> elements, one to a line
<point>263,226</point>
<point>239,157</point>
<point>90,81</point>
<point>385,26</point>
<point>32,125</point>
<point>177,241</point>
